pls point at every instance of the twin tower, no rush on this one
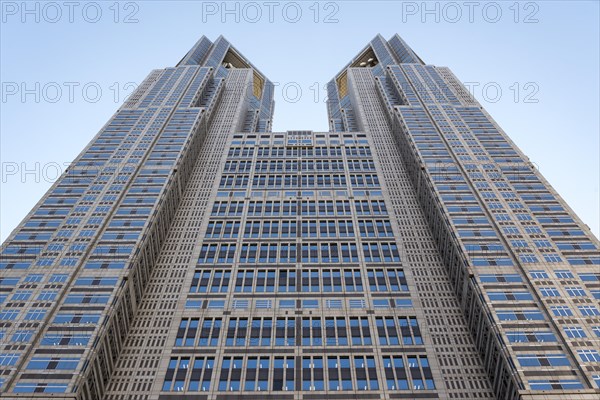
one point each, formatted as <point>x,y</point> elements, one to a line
<point>411,252</point>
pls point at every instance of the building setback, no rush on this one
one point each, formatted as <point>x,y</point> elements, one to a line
<point>411,252</point>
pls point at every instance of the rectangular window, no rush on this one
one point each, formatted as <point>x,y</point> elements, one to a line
<point>210,281</point>
<point>398,369</point>
<point>398,331</point>
<point>530,336</point>
<point>260,331</point>
<point>588,355</point>
<point>285,331</point>
<point>366,373</point>
<point>555,384</point>
<point>53,363</point>
<point>336,331</point>
<point>312,331</point>
<point>22,337</point>
<point>543,360</point>
<point>237,331</point>
<point>313,377</point>
<point>283,374</point>
<point>231,374</point>
<point>8,359</point>
<point>339,373</point>
<point>359,331</point>
<point>46,387</point>
<point>65,339</point>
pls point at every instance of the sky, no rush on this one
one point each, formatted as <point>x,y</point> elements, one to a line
<point>65,67</point>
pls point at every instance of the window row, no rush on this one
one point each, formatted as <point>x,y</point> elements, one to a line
<point>270,152</point>
<point>287,181</point>
<point>324,280</point>
<point>536,315</point>
<point>324,252</point>
<point>301,165</point>
<point>330,304</point>
<point>276,208</point>
<point>278,373</point>
<point>290,331</point>
<point>289,228</point>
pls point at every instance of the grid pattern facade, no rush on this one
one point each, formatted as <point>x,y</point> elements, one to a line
<point>411,252</point>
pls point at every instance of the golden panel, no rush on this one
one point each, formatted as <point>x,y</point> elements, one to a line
<point>259,83</point>
<point>342,84</point>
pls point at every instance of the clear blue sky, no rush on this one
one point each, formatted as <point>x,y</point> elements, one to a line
<point>542,55</point>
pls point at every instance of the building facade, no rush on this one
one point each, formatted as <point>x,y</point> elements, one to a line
<point>411,252</point>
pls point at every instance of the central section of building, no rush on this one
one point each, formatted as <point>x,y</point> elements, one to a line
<point>299,280</point>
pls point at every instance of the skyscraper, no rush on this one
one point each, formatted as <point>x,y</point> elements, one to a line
<point>412,252</point>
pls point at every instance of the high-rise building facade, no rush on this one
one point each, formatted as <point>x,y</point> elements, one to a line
<point>411,252</point>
